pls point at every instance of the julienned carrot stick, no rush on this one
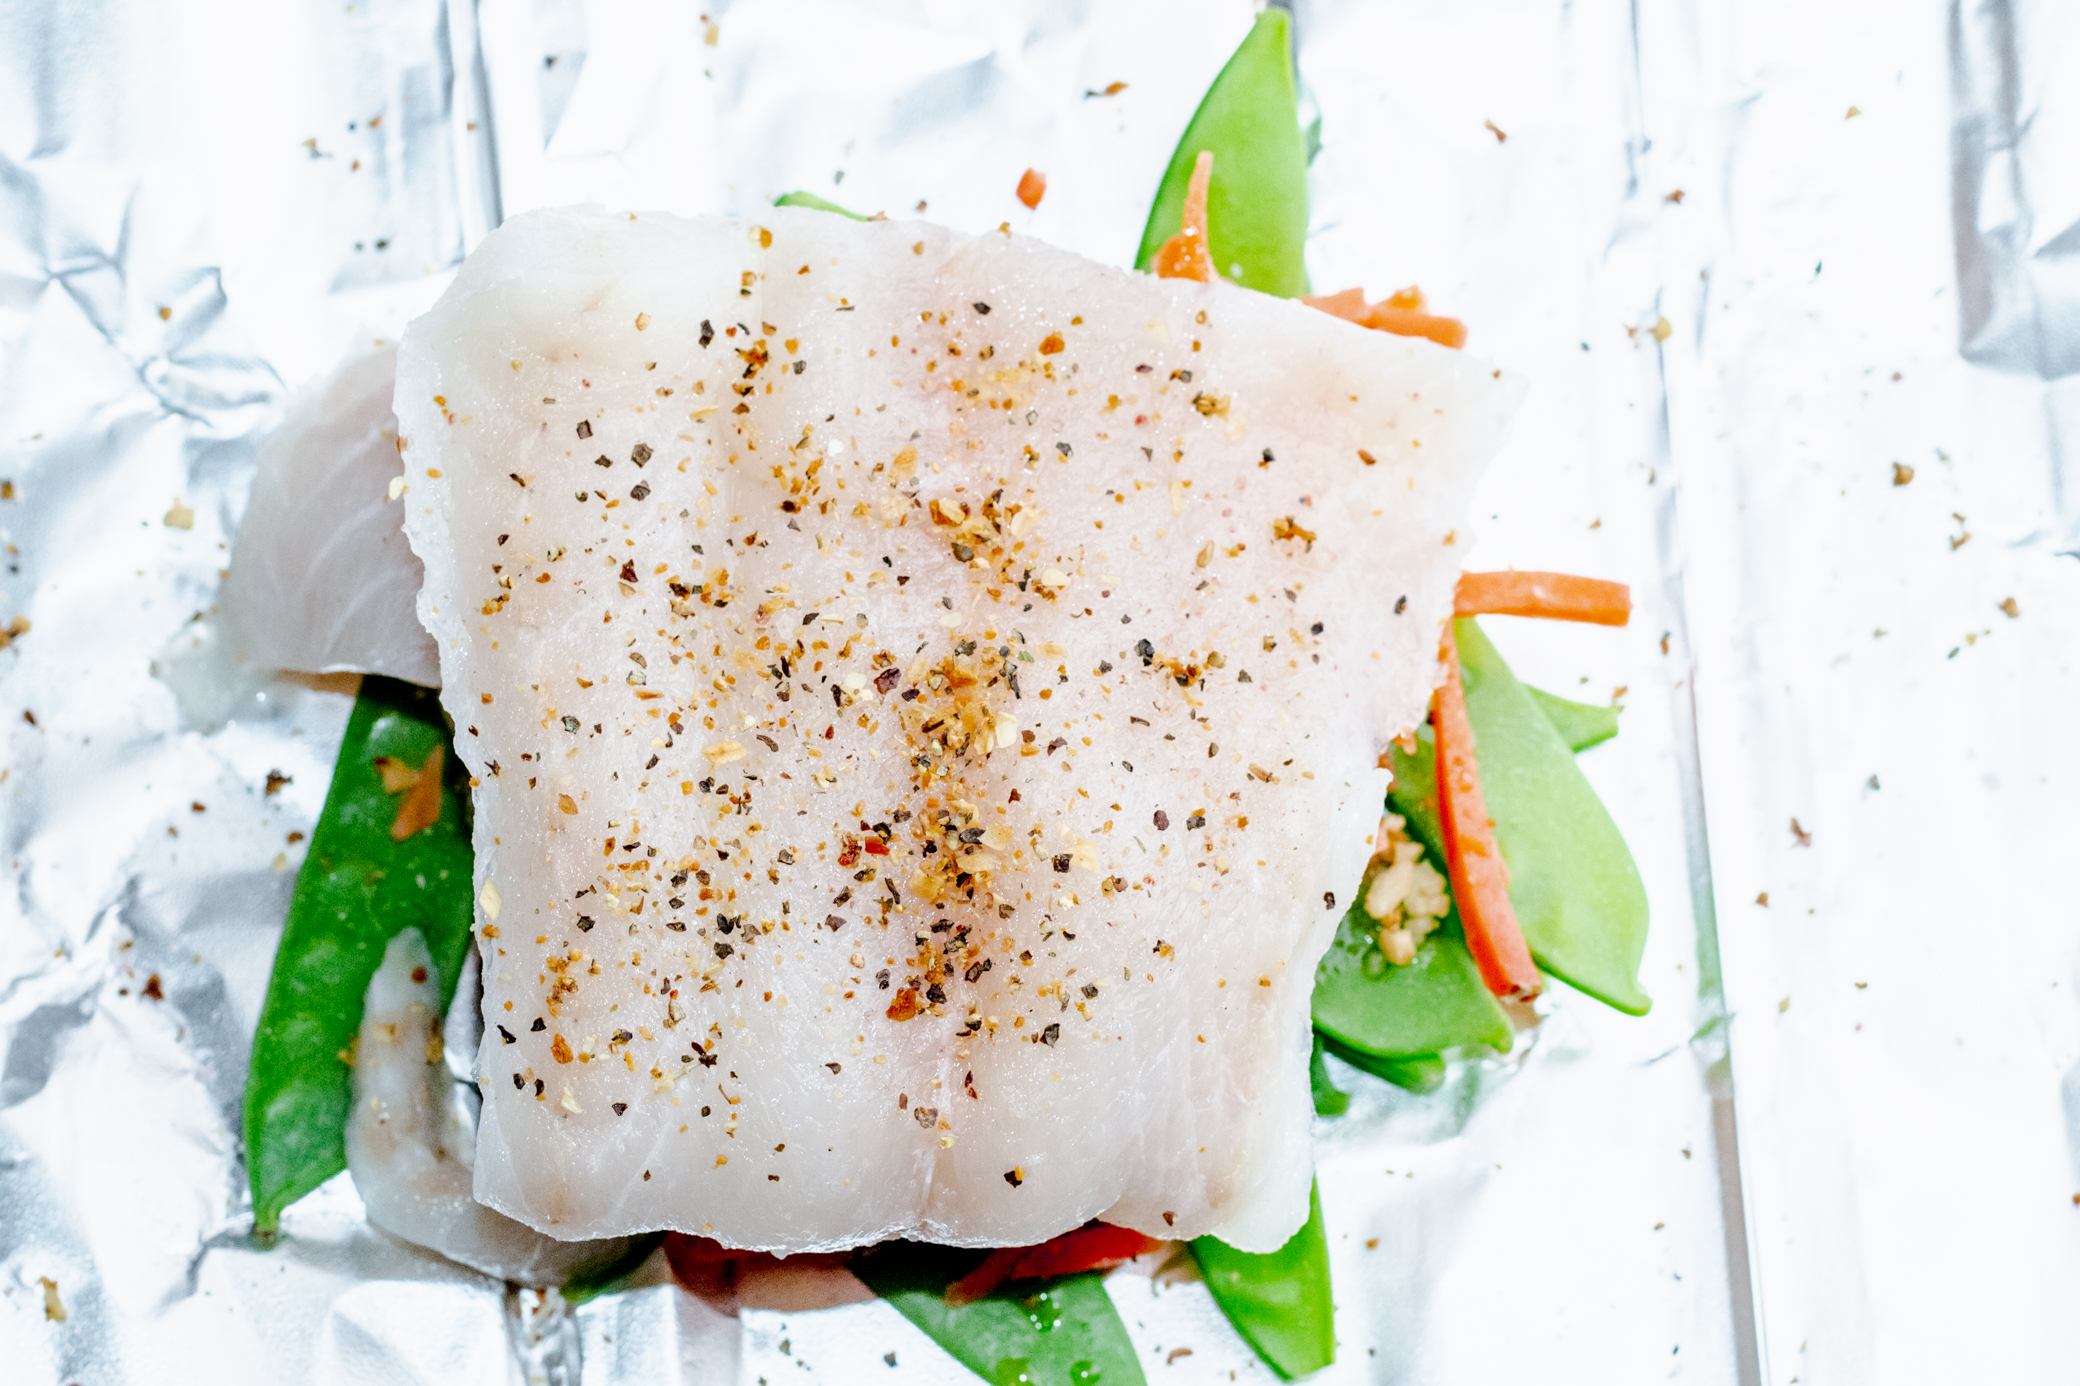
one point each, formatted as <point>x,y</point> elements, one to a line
<point>1348,304</point>
<point>1480,878</point>
<point>1557,596</point>
<point>1402,314</point>
<point>1092,1247</point>
<point>1408,322</point>
<point>1186,255</point>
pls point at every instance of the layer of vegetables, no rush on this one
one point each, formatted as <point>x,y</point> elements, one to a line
<point>1540,881</point>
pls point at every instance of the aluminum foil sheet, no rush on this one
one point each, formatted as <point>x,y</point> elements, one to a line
<point>1880,526</point>
<point>1793,286</point>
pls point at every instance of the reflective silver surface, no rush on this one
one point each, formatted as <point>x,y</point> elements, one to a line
<point>1850,1154</point>
<point>1908,1059</point>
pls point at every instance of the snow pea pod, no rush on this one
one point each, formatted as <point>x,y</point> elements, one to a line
<point>1419,1073</point>
<point>1280,1303</point>
<point>1581,725</point>
<point>1433,1003</point>
<point>1329,1100</point>
<point>1058,1333</point>
<point>1257,205</point>
<point>1395,1021</point>
<point>1577,893</point>
<point>799,198</point>
<point>1413,794</point>
<point>358,887</point>
<point>594,1281</point>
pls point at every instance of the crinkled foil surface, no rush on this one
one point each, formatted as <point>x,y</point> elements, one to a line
<point>1796,287</point>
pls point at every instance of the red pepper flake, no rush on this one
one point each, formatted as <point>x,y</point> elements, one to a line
<point>561,1049</point>
<point>1051,344</point>
<point>1032,186</point>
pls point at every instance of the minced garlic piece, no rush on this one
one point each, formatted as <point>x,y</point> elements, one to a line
<point>1403,892</point>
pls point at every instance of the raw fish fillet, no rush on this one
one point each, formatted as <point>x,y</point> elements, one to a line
<point>322,579</point>
<point>927,694</point>
<point>409,1142</point>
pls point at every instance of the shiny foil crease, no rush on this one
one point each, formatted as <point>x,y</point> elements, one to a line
<point>206,208</point>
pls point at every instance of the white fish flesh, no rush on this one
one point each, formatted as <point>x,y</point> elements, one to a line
<point>322,580</point>
<point>410,1145</point>
<point>926,694</point>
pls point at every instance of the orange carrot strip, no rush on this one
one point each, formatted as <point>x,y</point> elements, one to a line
<point>1032,186</point>
<point>1408,322</point>
<point>1401,313</point>
<point>1480,877</point>
<point>422,803</point>
<point>1556,596</point>
<point>1348,305</point>
<point>1186,255</point>
<point>1094,1246</point>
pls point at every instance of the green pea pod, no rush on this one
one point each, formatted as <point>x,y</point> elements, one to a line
<point>1377,1011</point>
<point>1580,725</point>
<point>1329,1100</point>
<point>358,887</point>
<point>1433,1003</point>
<point>799,198</point>
<point>593,1281</point>
<point>1577,893</point>
<point>1060,1333</point>
<point>1413,794</point>
<point>1256,208</point>
<point>1418,1073</point>
<point>1279,1302</point>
